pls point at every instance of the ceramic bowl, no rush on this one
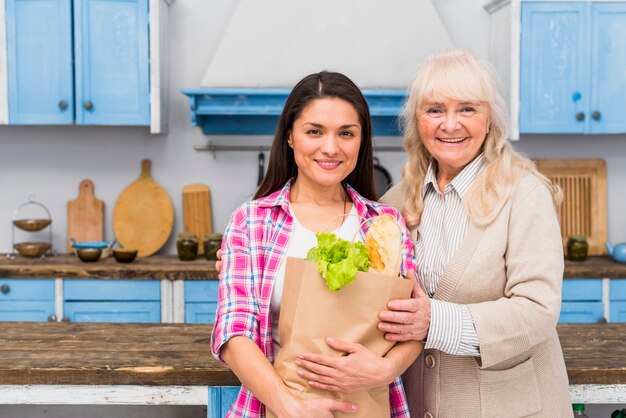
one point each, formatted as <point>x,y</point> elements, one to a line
<point>89,254</point>
<point>32,249</point>
<point>31,225</point>
<point>124,255</point>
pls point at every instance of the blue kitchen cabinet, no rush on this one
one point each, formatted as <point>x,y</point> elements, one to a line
<point>582,301</point>
<point>571,74</point>
<point>112,300</point>
<point>200,301</point>
<point>82,61</point>
<point>617,291</point>
<point>220,400</point>
<point>29,300</point>
<point>39,58</point>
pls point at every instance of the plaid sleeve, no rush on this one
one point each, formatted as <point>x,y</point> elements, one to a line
<point>397,400</point>
<point>237,309</point>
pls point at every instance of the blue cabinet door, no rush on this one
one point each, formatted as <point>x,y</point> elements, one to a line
<point>200,301</point>
<point>39,55</point>
<point>608,87</point>
<point>26,299</point>
<point>582,301</point>
<point>112,68</point>
<point>144,312</point>
<point>112,300</point>
<point>554,71</point>
<point>220,400</point>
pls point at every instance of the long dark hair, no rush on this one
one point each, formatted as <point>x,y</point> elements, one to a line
<point>325,84</point>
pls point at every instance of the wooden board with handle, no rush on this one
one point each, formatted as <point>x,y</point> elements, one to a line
<point>583,211</point>
<point>85,215</point>
<point>143,216</point>
<point>197,211</point>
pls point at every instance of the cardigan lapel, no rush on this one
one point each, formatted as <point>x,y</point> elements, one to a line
<point>455,269</point>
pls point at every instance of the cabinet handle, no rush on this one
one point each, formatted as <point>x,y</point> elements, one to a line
<point>596,115</point>
<point>52,318</point>
<point>63,104</point>
<point>580,116</point>
<point>88,105</point>
<point>5,289</point>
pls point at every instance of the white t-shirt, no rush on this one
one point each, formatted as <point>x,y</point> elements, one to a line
<point>301,241</point>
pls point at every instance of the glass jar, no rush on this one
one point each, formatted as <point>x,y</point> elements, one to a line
<point>577,248</point>
<point>187,246</point>
<point>212,243</point>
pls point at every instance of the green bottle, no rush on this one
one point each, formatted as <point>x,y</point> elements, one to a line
<point>579,410</point>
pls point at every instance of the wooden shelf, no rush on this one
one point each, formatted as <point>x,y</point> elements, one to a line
<point>70,267</point>
<point>594,267</point>
<point>171,268</point>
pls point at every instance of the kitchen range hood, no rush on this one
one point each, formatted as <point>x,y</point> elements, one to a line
<point>269,46</point>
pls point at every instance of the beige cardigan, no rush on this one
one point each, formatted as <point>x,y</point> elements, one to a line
<point>510,274</point>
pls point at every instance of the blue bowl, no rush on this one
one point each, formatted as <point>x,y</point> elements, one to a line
<point>92,244</point>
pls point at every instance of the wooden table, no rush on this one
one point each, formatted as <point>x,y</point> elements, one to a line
<point>138,364</point>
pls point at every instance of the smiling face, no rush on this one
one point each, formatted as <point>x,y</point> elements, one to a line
<point>453,132</point>
<point>325,138</point>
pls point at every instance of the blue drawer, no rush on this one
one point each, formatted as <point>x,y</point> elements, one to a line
<point>618,311</point>
<point>27,289</point>
<point>201,301</point>
<point>220,400</point>
<point>200,313</point>
<point>581,312</point>
<point>112,311</point>
<point>201,290</point>
<point>36,311</point>
<point>618,289</point>
<point>110,290</point>
<point>582,290</point>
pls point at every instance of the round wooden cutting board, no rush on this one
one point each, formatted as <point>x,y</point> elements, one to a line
<point>143,216</point>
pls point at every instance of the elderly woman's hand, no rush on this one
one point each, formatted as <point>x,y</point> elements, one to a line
<point>407,319</point>
<point>218,263</point>
<point>359,370</point>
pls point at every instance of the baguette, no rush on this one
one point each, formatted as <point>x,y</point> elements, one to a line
<point>383,241</point>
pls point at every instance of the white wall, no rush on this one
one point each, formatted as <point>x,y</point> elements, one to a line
<point>51,161</point>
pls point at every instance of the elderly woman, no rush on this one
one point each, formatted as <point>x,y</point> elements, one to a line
<point>489,255</point>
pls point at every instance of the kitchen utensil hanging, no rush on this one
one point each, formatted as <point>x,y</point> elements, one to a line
<point>32,248</point>
<point>382,179</point>
<point>261,168</point>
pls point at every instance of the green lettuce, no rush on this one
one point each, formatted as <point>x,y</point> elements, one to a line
<point>338,260</point>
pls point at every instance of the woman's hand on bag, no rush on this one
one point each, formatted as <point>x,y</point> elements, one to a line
<point>359,370</point>
<point>321,408</point>
<point>218,263</point>
<point>407,319</point>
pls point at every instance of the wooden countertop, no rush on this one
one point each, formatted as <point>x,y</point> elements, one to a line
<point>171,268</point>
<point>179,354</point>
<point>595,267</point>
<point>70,267</point>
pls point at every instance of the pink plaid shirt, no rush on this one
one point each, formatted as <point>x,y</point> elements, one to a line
<point>255,242</point>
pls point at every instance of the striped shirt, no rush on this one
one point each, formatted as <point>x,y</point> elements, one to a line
<point>442,229</point>
<point>254,244</point>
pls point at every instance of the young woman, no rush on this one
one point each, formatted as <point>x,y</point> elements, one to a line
<point>320,170</point>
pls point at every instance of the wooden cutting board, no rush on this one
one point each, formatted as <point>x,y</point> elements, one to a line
<point>85,215</point>
<point>143,216</point>
<point>583,211</point>
<point>197,211</point>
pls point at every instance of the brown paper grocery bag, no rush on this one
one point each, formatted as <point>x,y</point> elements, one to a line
<point>310,312</point>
